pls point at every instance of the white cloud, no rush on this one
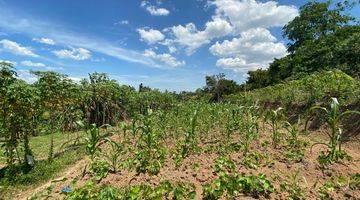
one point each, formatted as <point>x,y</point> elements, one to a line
<point>29,63</point>
<point>13,63</point>
<point>44,40</point>
<point>150,36</point>
<point>254,48</point>
<point>236,64</point>
<point>153,10</point>
<point>74,53</point>
<point>26,76</point>
<point>122,22</point>
<point>164,58</point>
<point>157,11</point>
<point>192,39</point>
<point>35,27</point>
<point>247,14</point>
<point>16,48</point>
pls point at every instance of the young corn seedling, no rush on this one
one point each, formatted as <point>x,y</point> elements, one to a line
<point>333,119</point>
<point>92,139</point>
<point>113,156</point>
<point>150,154</point>
<point>190,142</point>
<point>275,118</point>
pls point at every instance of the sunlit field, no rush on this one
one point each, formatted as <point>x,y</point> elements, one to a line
<point>290,130</point>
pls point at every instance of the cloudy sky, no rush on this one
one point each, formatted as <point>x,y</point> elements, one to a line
<point>166,44</point>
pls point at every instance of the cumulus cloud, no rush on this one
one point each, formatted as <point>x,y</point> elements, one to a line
<point>150,36</point>
<point>29,63</point>
<point>16,48</point>
<point>74,53</point>
<point>165,58</point>
<point>254,48</point>
<point>17,21</point>
<point>247,14</point>
<point>153,10</point>
<point>232,18</point>
<point>26,76</point>
<point>192,38</point>
<point>236,64</point>
<point>13,63</point>
<point>44,41</point>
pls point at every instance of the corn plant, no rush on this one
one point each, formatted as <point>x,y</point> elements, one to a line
<point>333,119</point>
<point>251,127</point>
<point>190,136</point>
<point>113,156</point>
<point>92,140</point>
<point>295,147</point>
<point>190,142</point>
<point>150,154</point>
<point>275,117</point>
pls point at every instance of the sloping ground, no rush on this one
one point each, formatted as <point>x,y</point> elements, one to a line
<point>198,169</point>
<point>318,87</point>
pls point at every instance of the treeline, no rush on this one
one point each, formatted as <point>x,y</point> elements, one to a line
<point>322,38</point>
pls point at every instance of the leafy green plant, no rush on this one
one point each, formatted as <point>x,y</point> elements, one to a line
<point>292,187</point>
<point>275,118</point>
<point>150,155</point>
<point>179,191</point>
<point>334,116</point>
<point>354,182</point>
<point>113,155</point>
<point>254,159</point>
<point>99,169</point>
<point>92,140</point>
<point>335,183</point>
<point>189,144</point>
<point>234,184</point>
<point>295,147</point>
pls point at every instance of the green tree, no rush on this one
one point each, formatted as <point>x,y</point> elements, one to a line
<point>19,103</point>
<point>316,20</point>
<point>218,86</point>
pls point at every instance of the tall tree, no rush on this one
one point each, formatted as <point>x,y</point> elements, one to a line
<point>218,86</point>
<point>316,20</point>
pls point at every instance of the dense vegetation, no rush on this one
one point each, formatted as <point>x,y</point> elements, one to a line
<point>223,141</point>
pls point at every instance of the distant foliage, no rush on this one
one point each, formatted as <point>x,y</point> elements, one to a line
<point>322,37</point>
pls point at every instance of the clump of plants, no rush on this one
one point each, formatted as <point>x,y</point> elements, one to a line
<point>179,190</point>
<point>333,119</point>
<point>293,187</point>
<point>150,154</point>
<point>233,184</point>
<point>189,144</point>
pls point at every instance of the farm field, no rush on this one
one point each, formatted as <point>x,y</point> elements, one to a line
<point>181,100</point>
<point>208,151</point>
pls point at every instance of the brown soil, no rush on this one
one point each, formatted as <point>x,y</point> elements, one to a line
<point>311,177</point>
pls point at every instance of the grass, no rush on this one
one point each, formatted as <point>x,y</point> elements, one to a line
<point>40,144</point>
<point>65,156</point>
<point>43,171</point>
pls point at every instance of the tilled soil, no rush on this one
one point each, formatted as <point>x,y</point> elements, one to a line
<point>310,177</point>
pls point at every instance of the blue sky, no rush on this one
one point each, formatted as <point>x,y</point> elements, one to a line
<point>164,44</point>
